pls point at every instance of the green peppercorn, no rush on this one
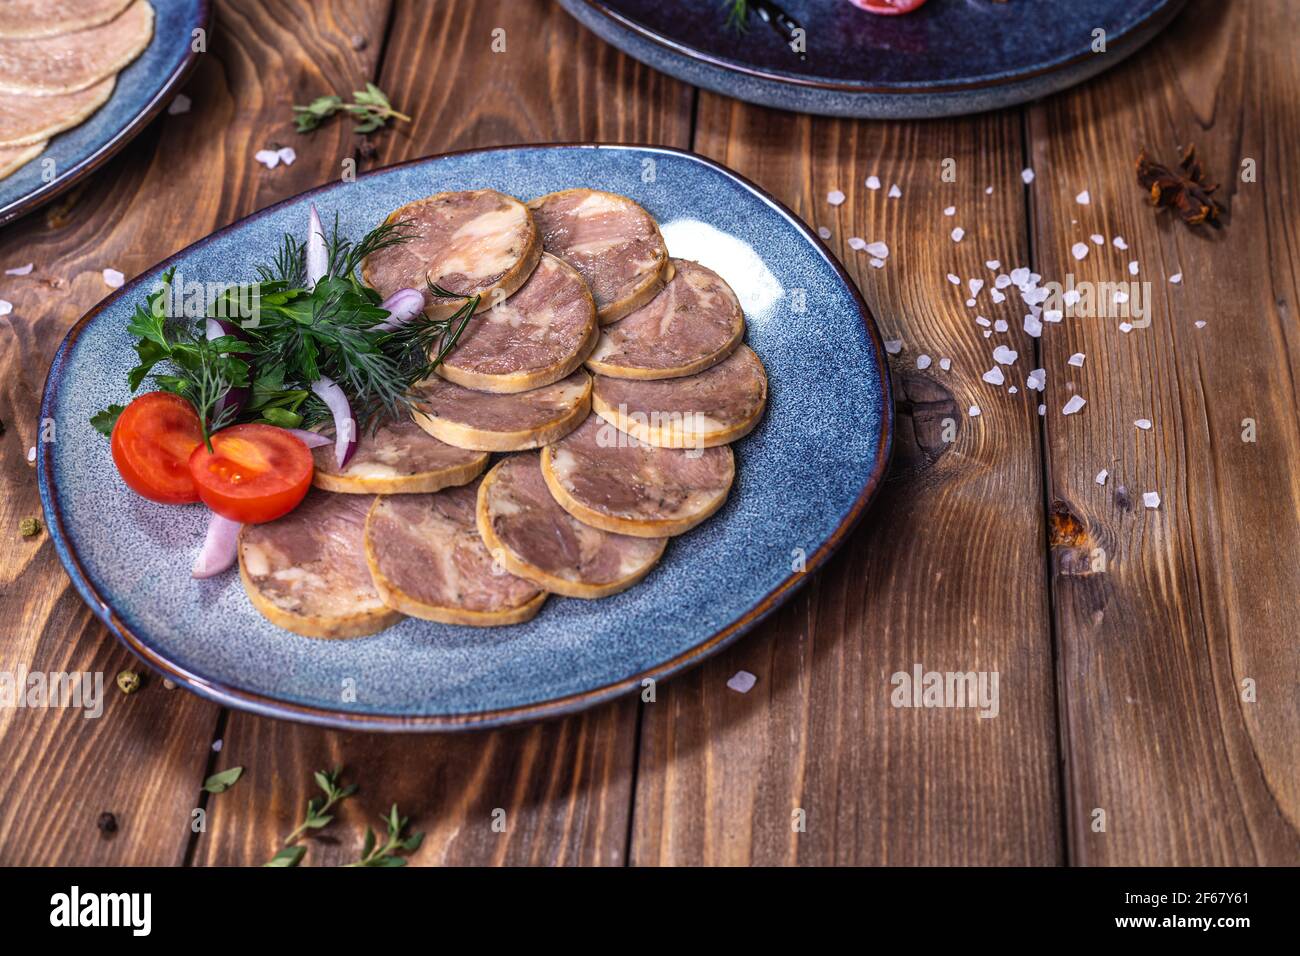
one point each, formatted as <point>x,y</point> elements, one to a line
<point>29,527</point>
<point>128,682</point>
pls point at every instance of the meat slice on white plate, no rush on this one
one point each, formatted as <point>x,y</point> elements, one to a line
<point>485,421</point>
<point>611,481</point>
<point>67,62</point>
<point>397,458</point>
<point>307,572</point>
<point>427,560</point>
<point>614,243</point>
<point>539,335</point>
<point>533,537</point>
<point>713,407</point>
<point>479,242</point>
<point>694,323</point>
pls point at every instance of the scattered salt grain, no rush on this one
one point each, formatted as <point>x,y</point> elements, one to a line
<point>994,376</point>
<point>950,211</point>
<point>1005,356</point>
<point>31,453</point>
<point>1151,499</point>
<point>823,232</point>
<point>958,233</point>
<point>1133,268</point>
<point>1119,243</point>
<point>1098,239</point>
<point>269,158</point>
<point>1143,423</point>
<point>857,242</point>
<point>878,249</point>
<point>945,363</point>
<point>1078,250</point>
<point>988,190</point>
<point>1042,409</point>
<point>893,346</point>
<point>955,280</point>
<point>1200,325</point>
<point>179,105</point>
<point>1126,327</point>
<point>923,362</point>
<point>970,303</point>
<point>876,263</point>
<point>1053,315</point>
<point>1077,359</point>
<point>1026,176</point>
<point>974,285</point>
<point>974,413</point>
<point>20,270</point>
<point>216,745</point>
<point>1037,379</point>
<point>1071,297</point>
<point>742,682</point>
<point>981,321</point>
<point>287,155</point>
<point>6,306</point>
<point>1013,390</point>
<point>1033,325</point>
<point>1000,325</point>
<point>997,297</point>
<point>1176,278</point>
<point>835,197</point>
<point>1002,281</point>
<point>1083,198</point>
<point>873,182</point>
<point>113,279</point>
<point>1121,297</point>
<point>895,192</point>
<point>992,264</point>
<point>1073,405</point>
<point>1102,476</point>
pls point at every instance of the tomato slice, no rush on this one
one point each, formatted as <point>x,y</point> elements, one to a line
<point>887,7</point>
<point>254,473</point>
<point>152,443</point>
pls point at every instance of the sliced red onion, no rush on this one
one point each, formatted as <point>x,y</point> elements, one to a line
<point>235,397</point>
<point>310,439</point>
<point>318,257</point>
<point>402,306</point>
<point>345,426</point>
<point>219,547</point>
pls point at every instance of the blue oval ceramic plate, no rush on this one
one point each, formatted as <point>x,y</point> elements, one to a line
<point>804,475</point>
<point>946,58</point>
<point>142,89</point>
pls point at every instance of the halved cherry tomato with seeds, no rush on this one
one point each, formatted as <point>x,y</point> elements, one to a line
<point>152,443</point>
<point>254,473</point>
<point>887,7</point>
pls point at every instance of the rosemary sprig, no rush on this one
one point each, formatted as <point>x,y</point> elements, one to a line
<point>370,107</point>
<point>374,854</point>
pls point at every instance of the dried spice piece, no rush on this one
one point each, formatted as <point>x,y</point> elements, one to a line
<point>29,527</point>
<point>1185,190</point>
<point>128,682</point>
<point>107,824</point>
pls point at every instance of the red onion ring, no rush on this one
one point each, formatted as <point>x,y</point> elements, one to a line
<point>220,547</point>
<point>318,257</point>
<point>345,425</point>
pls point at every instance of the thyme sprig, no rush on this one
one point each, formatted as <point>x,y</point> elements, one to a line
<point>370,107</point>
<point>375,854</point>
<point>317,816</point>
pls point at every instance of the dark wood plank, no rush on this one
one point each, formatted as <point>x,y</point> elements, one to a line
<point>145,759</point>
<point>1199,595</point>
<point>565,786</point>
<point>948,571</point>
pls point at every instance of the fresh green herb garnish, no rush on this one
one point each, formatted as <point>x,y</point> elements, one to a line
<point>373,854</point>
<point>104,421</point>
<point>318,808</point>
<point>370,108</point>
<point>737,14</point>
<point>223,781</point>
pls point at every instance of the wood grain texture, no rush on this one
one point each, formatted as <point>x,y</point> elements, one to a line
<point>1199,595</point>
<point>947,570</point>
<point>564,786</point>
<point>185,176</point>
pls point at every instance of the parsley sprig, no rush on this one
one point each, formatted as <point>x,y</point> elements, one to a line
<point>370,108</point>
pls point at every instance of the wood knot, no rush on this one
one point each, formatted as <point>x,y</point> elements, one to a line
<point>927,421</point>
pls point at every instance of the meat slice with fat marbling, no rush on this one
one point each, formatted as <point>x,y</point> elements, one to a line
<point>428,560</point>
<point>608,479</point>
<point>539,335</point>
<point>485,421</point>
<point>307,572</point>
<point>614,243</point>
<point>73,61</point>
<point>397,458</point>
<point>532,536</point>
<point>713,407</point>
<point>24,19</point>
<point>26,119</point>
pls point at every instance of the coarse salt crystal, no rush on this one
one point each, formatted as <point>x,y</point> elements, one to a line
<point>923,362</point>
<point>1005,356</point>
<point>835,197</point>
<point>1119,243</point>
<point>876,263</point>
<point>873,182</point>
<point>6,306</point>
<point>857,242</point>
<point>974,285</point>
<point>980,320</point>
<point>1020,275</point>
<point>1151,499</point>
<point>1143,423</point>
<point>895,192</point>
<point>113,279</point>
<point>1176,278</point>
<point>970,303</point>
<point>1001,281</point>
<point>19,270</point>
<point>878,249</point>
<point>1200,324</point>
<point>974,411</point>
<point>1078,250</point>
<point>823,232</point>
<point>1077,359</point>
<point>1133,268</point>
<point>1126,327</point>
<point>1033,326</point>
<point>31,453</point>
<point>958,233</point>
<point>1000,325</point>
<point>1121,296</point>
<point>269,158</point>
<point>179,105</point>
<point>997,296</point>
<point>1053,315</point>
<point>945,363</point>
<point>893,346</point>
<point>992,264</point>
<point>1102,476</point>
<point>1013,390</point>
<point>994,376</point>
<point>1037,379</point>
<point>1071,297</point>
<point>950,211</point>
<point>742,682</point>
<point>1073,405</point>
<point>1083,198</point>
<point>1097,239</point>
<point>1027,176</point>
<point>988,190</point>
<point>955,280</point>
<point>1042,409</point>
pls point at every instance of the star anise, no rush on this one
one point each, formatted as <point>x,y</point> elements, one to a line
<point>1185,189</point>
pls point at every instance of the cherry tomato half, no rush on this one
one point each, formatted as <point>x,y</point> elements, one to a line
<point>887,7</point>
<point>254,473</point>
<point>152,442</point>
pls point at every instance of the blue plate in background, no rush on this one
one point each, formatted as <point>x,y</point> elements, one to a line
<point>804,475</point>
<point>947,58</point>
<point>142,89</point>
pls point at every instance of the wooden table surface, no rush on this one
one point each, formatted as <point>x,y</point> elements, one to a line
<point>1149,703</point>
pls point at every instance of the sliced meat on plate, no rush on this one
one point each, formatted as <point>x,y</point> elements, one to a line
<point>611,240</point>
<point>713,407</point>
<point>480,242</point>
<point>307,572</point>
<point>611,481</point>
<point>484,421</point>
<point>428,560</point>
<point>397,458</point>
<point>26,119</point>
<point>695,322</point>
<point>39,18</point>
<point>535,538</point>
<point>74,61</point>
<point>13,158</point>
<point>537,336</point>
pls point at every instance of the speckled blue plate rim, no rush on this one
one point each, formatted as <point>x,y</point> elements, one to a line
<point>1166,9</point>
<point>258,703</point>
<point>110,147</point>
